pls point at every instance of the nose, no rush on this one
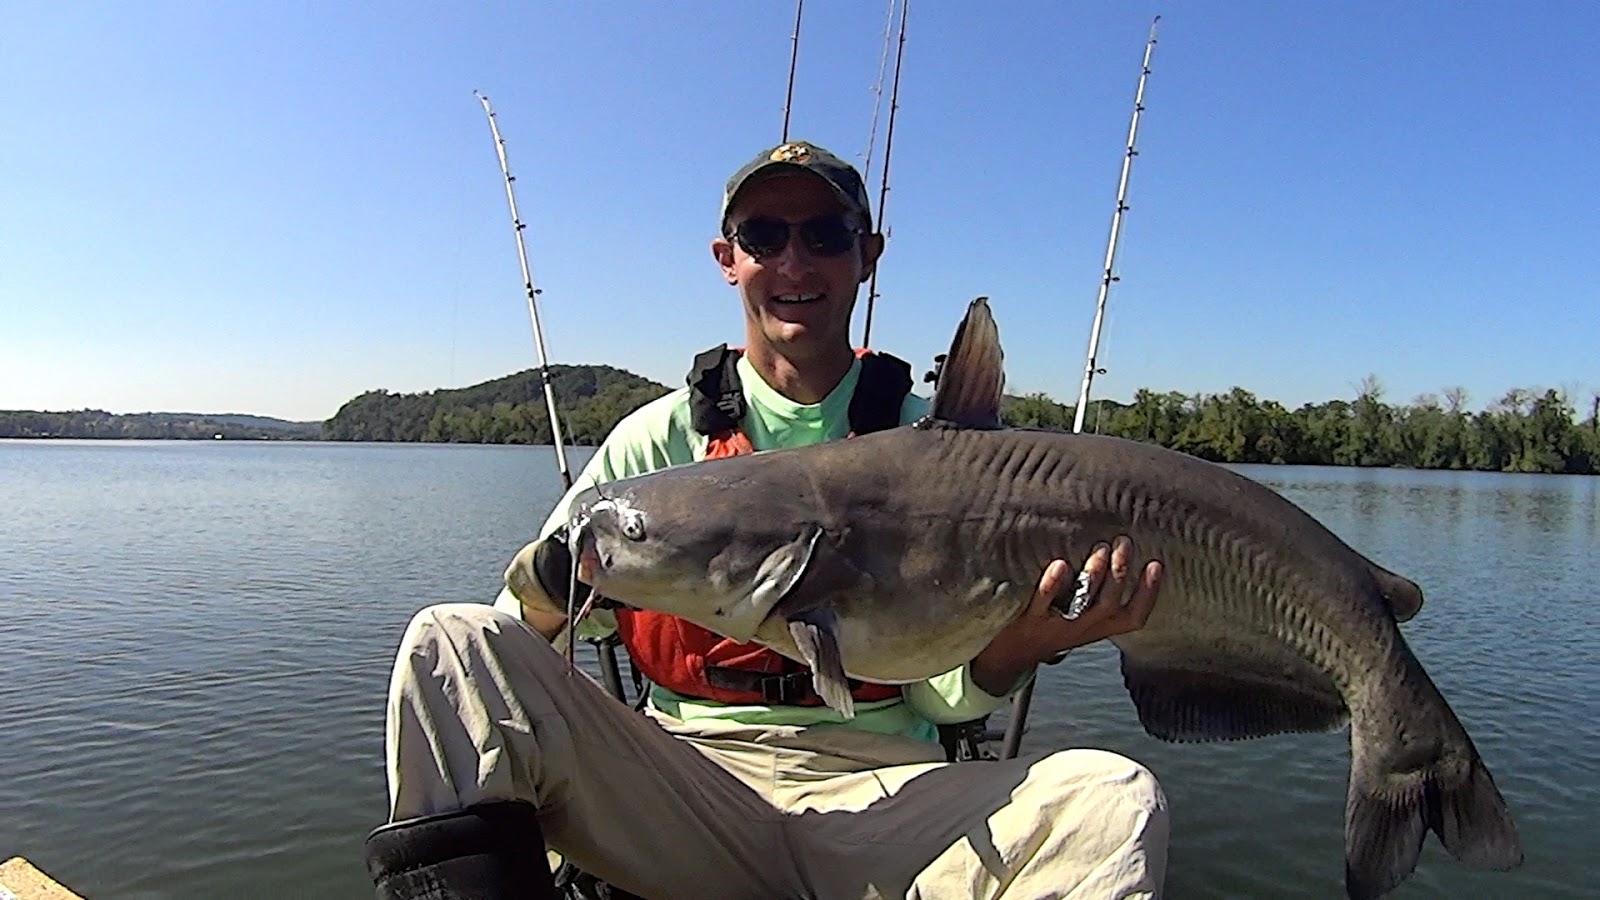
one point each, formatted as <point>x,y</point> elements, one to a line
<point>794,260</point>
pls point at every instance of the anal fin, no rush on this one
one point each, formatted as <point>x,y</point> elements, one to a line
<point>1204,698</point>
<point>814,637</point>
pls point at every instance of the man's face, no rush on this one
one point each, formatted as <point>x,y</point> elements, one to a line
<point>796,299</point>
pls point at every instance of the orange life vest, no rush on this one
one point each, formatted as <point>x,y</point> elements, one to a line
<point>696,662</point>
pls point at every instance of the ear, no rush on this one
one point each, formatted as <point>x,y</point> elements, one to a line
<point>871,249</point>
<point>722,252</point>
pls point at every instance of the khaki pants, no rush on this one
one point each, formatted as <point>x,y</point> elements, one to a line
<point>481,708</point>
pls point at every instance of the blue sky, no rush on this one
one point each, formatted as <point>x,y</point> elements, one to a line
<point>270,208</point>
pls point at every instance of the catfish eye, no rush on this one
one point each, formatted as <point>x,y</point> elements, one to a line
<point>633,525</point>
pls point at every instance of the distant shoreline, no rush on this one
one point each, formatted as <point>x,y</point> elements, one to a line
<point>1527,430</point>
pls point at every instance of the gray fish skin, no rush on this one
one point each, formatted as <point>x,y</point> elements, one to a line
<point>918,544</point>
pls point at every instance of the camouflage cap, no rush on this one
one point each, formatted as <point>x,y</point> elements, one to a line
<point>803,156</point>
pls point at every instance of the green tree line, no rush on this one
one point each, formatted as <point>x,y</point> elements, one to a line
<point>1525,430</point>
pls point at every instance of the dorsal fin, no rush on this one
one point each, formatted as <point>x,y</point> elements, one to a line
<point>972,377</point>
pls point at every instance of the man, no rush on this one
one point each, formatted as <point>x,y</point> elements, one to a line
<point>737,782</point>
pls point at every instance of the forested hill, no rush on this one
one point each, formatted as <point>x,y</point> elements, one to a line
<point>97,423</point>
<point>509,410</point>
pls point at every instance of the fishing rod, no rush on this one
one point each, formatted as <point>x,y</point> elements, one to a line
<point>1024,699</point>
<point>609,671</point>
<point>794,59</point>
<point>1106,276</point>
<point>532,293</point>
<point>888,148</point>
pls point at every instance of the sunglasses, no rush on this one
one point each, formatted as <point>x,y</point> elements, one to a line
<point>764,236</point>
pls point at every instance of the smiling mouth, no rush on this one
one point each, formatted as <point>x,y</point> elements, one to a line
<point>796,299</point>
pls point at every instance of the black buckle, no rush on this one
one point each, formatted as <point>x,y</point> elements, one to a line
<point>965,741</point>
<point>786,688</point>
<point>773,687</point>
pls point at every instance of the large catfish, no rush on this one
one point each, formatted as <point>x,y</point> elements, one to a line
<point>898,555</point>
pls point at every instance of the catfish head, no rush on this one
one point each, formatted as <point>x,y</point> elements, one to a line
<point>719,543</point>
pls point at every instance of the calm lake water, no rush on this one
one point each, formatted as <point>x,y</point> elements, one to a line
<point>198,637</point>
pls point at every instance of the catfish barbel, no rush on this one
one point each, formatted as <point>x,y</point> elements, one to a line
<point>899,555</point>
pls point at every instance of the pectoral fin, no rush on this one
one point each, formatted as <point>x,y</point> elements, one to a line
<point>798,576</point>
<point>775,579</point>
<point>814,635</point>
<point>781,570</point>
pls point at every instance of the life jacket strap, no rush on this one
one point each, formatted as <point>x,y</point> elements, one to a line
<point>716,397</point>
<point>788,688</point>
<point>881,389</point>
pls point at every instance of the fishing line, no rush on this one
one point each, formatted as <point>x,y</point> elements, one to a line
<point>877,90</point>
<point>888,148</point>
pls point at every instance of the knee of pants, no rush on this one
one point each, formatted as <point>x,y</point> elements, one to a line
<point>479,630</point>
<point>1120,786</point>
<point>454,623</point>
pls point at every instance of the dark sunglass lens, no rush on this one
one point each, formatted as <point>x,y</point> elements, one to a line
<point>828,235</point>
<point>762,236</point>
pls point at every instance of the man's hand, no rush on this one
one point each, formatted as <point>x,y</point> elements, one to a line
<point>1041,633</point>
<point>538,573</point>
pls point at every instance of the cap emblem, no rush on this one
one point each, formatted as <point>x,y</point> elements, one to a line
<point>791,153</point>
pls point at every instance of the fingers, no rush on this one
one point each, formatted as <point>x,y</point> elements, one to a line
<point>1112,561</point>
<point>1120,600</point>
<point>1121,563</point>
<point>1097,566</point>
<point>1144,594</point>
<point>1109,573</point>
<point>1050,584</point>
<point>1050,597</point>
<point>1105,619</point>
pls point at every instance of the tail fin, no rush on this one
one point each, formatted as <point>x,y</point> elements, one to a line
<point>1393,802</point>
<point>1473,823</point>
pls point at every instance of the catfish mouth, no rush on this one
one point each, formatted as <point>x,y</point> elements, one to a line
<point>589,562</point>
